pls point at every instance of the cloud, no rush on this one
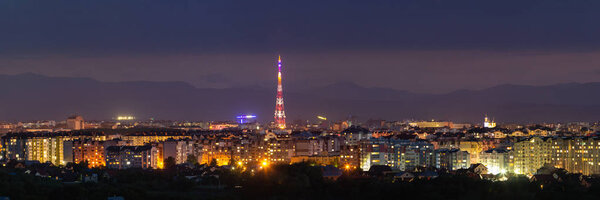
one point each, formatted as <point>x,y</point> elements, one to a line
<point>427,45</point>
<point>156,26</point>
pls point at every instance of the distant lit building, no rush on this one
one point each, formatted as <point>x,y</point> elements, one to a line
<point>451,159</point>
<point>42,149</point>
<point>139,140</point>
<point>243,119</point>
<point>93,151</point>
<point>307,147</point>
<point>46,149</point>
<point>14,148</point>
<point>497,161</point>
<point>530,154</point>
<point>319,159</point>
<point>125,118</point>
<point>375,152</point>
<point>217,126</point>
<point>408,155</point>
<point>279,150</point>
<point>179,150</point>
<point>124,157</point>
<point>487,123</point>
<point>75,123</point>
<point>576,154</point>
<point>350,156</point>
<point>432,124</point>
<point>353,135</point>
<point>474,147</point>
<point>91,125</point>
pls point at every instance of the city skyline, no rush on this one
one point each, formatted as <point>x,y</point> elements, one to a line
<point>271,99</point>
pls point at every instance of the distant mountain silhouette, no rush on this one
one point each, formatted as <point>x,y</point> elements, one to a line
<point>30,96</point>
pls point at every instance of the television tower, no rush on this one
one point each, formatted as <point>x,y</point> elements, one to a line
<point>279,112</point>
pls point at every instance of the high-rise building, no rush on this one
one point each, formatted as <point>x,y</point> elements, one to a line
<point>576,154</point>
<point>123,157</point>
<point>451,159</point>
<point>179,150</point>
<point>92,151</point>
<point>408,155</point>
<point>279,111</point>
<point>375,151</point>
<point>530,154</point>
<point>40,148</point>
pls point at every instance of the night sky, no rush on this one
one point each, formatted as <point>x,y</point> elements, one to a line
<point>421,46</point>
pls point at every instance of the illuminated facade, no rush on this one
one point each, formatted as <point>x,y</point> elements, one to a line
<point>42,149</point>
<point>307,147</point>
<point>350,156</point>
<point>90,151</point>
<point>93,151</point>
<point>487,123</point>
<point>576,155</point>
<point>279,111</point>
<point>451,159</point>
<point>408,155</point>
<point>217,149</point>
<point>497,161</point>
<point>319,160</point>
<point>123,157</point>
<point>179,150</point>
<point>125,118</point>
<point>280,151</point>
<point>375,152</point>
<point>139,140</point>
<point>217,126</point>
<point>432,124</point>
<point>530,154</point>
<point>474,148</point>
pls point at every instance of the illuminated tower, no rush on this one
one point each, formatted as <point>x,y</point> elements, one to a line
<point>279,112</point>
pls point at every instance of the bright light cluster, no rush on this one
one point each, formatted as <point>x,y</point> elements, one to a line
<point>125,118</point>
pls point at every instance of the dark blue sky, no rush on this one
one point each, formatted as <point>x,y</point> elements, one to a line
<point>421,45</point>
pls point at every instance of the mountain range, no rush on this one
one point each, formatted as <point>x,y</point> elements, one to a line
<point>32,97</point>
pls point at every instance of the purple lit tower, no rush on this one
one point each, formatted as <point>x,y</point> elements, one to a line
<point>279,112</point>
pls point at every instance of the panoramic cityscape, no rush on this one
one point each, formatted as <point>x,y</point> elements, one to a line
<point>338,100</point>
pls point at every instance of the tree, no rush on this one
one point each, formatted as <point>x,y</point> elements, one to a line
<point>170,163</point>
<point>78,167</point>
<point>213,162</point>
<point>232,162</point>
<point>191,159</point>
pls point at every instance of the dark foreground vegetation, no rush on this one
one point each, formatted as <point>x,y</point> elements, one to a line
<point>298,181</point>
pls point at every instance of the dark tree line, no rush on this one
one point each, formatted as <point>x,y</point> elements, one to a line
<point>296,181</point>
